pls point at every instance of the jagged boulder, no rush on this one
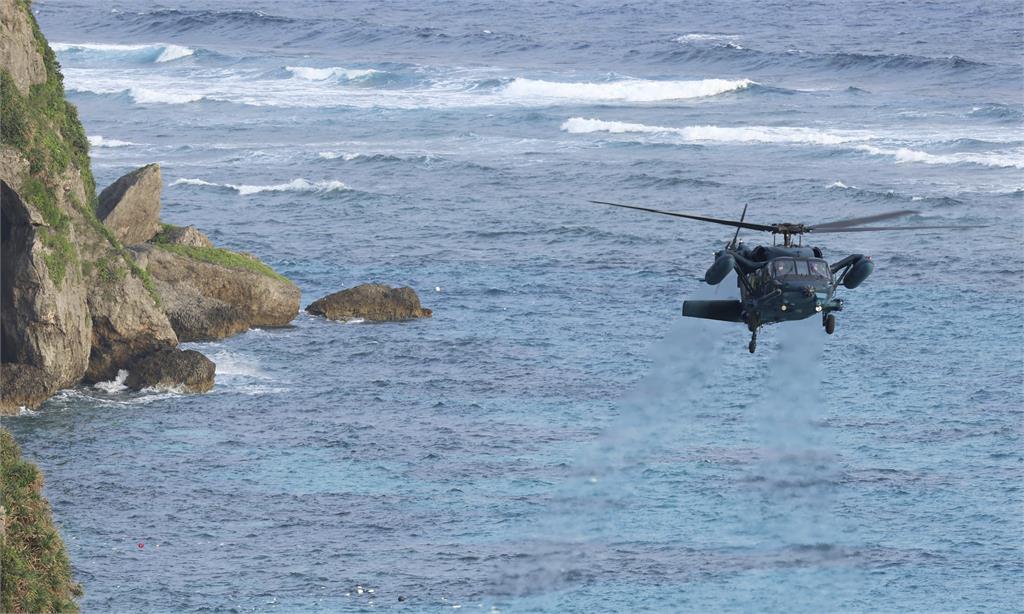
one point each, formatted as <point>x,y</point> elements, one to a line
<point>44,323</point>
<point>130,207</point>
<point>212,293</point>
<point>171,368</point>
<point>372,302</point>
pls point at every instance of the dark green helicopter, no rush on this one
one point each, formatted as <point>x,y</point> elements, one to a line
<point>780,283</point>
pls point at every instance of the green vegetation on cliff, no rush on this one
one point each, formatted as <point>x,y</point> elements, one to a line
<point>36,574</point>
<point>216,255</point>
<point>45,128</point>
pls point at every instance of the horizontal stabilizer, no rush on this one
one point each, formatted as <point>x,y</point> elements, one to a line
<point>726,311</point>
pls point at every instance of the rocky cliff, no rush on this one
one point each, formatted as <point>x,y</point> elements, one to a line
<point>77,304</point>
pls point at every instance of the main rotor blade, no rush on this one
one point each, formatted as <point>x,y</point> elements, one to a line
<point>817,230</point>
<point>700,218</point>
<point>858,221</point>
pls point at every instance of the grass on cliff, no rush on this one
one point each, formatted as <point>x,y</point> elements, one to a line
<point>216,255</point>
<point>36,572</point>
<point>46,129</point>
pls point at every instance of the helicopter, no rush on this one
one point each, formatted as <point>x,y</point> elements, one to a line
<point>781,283</point>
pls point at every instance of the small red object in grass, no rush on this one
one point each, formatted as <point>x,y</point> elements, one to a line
<point>141,545</point>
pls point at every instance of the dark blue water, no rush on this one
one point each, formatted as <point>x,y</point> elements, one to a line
<point>556,437</point>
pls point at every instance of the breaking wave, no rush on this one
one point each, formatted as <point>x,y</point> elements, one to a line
<point>1013,159</point>
<point>155,52</point>
<point>295,185</point>
<point>333,72</point>
<point>631,90</point>
<point>99,141</point>
<point>743,134</point>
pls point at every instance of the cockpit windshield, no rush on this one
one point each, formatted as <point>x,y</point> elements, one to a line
<point>799,267</point>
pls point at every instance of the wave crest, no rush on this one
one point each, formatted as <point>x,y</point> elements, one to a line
<point>631,90</point>
<point>99,141</point>
<point>295,185</point>
<point>742,134</point>
<point>153,52</point>
<point>334,72</point>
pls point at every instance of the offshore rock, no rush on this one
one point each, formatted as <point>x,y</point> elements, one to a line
<point>44,321</point>
<point>204,300</point>
<point>174,369</point>
<point>372,302</point>
<point>130,207</point>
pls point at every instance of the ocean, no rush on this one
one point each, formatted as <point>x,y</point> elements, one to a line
<point>557,437</point>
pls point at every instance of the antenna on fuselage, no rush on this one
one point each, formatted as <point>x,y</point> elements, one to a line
<point>736,236</point>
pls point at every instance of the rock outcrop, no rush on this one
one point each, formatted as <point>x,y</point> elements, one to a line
<point>75,305</point>
<point>44,322</point>
<point>130,207</point>
<point>189,236</point>
<point>212,293</point>
<point>174,369</point>
<point>371,302</point>
<point>18,52</point>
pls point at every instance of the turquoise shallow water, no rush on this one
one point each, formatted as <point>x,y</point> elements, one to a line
<point>556,437</point>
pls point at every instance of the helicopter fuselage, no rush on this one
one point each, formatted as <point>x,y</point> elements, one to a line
<point>780,284</point>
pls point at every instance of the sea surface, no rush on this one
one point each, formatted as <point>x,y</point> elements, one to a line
<point>557,437</point>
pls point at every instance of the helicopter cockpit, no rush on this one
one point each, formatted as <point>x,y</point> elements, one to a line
<point>799,268</point>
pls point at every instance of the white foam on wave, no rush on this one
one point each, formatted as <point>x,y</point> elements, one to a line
<point>295,185</point>
<point>143,95</point>
<point>332,72</point>
<point>630,90</point>
<point>114,385</point>
<point>311,87</point>
<point>839,185</point>
<point>720,134</point>
<point>1013,159</point>
<point>334,155</point>
<point>99,141</point>
<point>188,181</point>
<point>697,37</point>
<point>236,365</point>
<point>168,52</point>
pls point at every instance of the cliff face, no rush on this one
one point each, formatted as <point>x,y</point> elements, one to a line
<point>75,305</point>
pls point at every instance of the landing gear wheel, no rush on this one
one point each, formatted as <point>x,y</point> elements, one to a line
<point>830,324</point>
<point>753,343</point>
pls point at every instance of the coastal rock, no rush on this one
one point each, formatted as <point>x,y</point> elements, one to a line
<point>44,321</point>
<point>130,207</point>
<point>189,236</point>
<point>373,302</point>
<point>171,368</point>
<point>210,293</point>
<point>126,324</point>
<point>18,53</point>
<point>23,385</point>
